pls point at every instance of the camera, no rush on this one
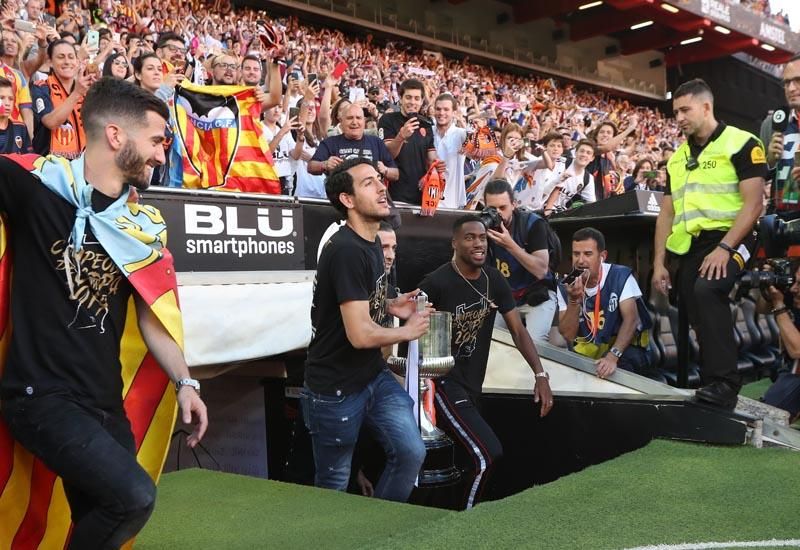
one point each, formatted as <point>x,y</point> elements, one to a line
<point>781,276</point>
<point>777,235</point>
<point>491,218</point>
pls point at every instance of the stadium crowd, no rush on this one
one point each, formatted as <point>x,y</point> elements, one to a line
<point>51,64</point>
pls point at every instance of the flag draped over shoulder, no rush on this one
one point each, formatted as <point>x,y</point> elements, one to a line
<point>223,142</point>
<point>33,507</point>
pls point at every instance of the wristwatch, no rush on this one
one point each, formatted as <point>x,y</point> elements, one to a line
<point>543,374</point>
<point>615,352</point>
<point>187,382</point>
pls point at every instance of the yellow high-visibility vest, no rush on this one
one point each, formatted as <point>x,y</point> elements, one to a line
<point>706,198</point>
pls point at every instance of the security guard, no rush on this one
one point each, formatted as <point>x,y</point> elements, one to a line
<point>714,191</point>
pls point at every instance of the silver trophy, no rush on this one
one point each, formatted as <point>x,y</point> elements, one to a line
<point>433,359</point>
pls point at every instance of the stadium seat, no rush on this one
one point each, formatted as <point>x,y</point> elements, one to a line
<point>744,342</point>
<point>664,337</point>
<point>762,356</point>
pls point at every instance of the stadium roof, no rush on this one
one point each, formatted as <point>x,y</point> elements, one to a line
<point>688,31</point>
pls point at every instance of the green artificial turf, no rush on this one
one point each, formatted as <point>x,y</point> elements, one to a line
<point>667,492</point>
<point>756,390</point>
<point>200,509</point>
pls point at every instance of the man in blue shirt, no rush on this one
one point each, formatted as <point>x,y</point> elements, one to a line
<point>353,143</point>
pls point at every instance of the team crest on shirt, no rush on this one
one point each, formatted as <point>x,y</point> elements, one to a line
<point>18,141</point>
<point>613,301</point>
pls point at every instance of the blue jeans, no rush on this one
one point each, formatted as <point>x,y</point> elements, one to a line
<point>93,451</point>
<point>386,409</point>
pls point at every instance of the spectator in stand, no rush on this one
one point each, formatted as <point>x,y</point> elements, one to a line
<point>334,150</point>
<point>409,138</point>
<point>147,72</point>
<point>171,50</point>
<point>449,141</point>
<point>280,145</point>
<point>117,66</point>
<point>644,176</point>
<point>58,100</point>
<point>576,181</point>
<point>532,192</point>
<point>22,110</point>
<point>224,70</point>
<point>603,168</point>
<point>337,115</point>
<point>13,135</point>
<point>251,70</point>
<point>307,140</point>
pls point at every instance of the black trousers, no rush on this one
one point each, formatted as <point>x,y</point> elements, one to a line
<point>709,309</point>
<point>477,446</point>
<point>93,451</point>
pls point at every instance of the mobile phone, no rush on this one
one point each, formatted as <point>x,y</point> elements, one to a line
<point>92,39</point>
<point>570,277</point>
<point>115,36</point>
<point>294,112</point>
<point>312,77</point>
<point>650,174</point>
<point>24,26</point>
<point>339,70</point>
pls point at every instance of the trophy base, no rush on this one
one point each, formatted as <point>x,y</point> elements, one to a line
<point>439,469</point>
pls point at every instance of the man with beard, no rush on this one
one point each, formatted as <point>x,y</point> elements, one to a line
<point>713,197</point>
<point>474,293</point>
<point>223,70</point>
<point>251,76</point>
<point>409,138</point>
<point>62,386</point>
<point>353,143</point>
<point>784,145</point>
<point>171,50</point>
<point>347,383</point>
<point>57,104</point>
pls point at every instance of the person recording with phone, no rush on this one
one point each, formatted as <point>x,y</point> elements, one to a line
<point>602,314</point>
<point>643,178</point>
<point>409,138</point>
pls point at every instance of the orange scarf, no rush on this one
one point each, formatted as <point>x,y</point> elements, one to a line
<point>68,140</point>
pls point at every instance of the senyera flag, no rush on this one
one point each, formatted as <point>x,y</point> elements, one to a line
<point>34,513</point>
<point>222,139</point>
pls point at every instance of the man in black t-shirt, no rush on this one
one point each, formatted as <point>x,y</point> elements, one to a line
<point>347,384</point>
<point>409,138</point>
<point>474,293</point>
<point>350,144</point>
<point>61,387</point>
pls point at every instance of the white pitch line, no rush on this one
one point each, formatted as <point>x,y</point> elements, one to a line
<point>773,543</point>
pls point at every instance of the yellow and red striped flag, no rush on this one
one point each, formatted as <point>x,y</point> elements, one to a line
<point>222,140</point>
<point>34,513</point>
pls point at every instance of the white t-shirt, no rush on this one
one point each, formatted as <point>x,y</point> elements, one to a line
<point>283,162</point>
<point>572,186</point>
<point>447,149</point>
<point>630,290</point>
<point>544,180</point>
<point>308,185</point>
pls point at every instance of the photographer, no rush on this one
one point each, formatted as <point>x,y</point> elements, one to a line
<point>520,249</point>
<point>785,392</point>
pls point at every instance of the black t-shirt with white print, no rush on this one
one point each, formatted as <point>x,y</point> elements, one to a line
<point>473,317</point>
<point>63,339</point>
<point>349,269</point>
